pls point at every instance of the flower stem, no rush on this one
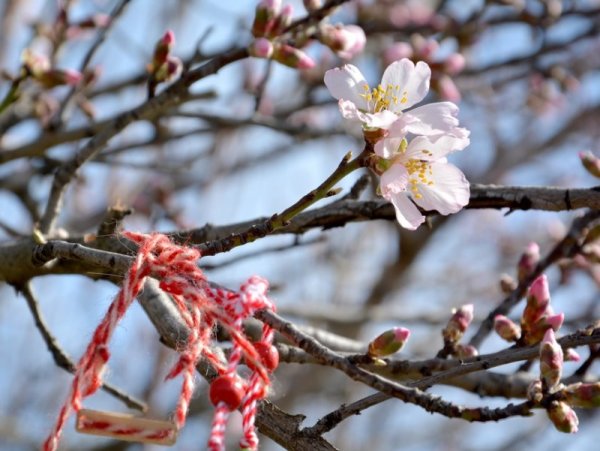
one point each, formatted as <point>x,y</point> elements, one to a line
<point>277,221</point>
<point>11,96</point>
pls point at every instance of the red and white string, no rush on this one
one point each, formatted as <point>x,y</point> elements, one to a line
<point>201,307</point>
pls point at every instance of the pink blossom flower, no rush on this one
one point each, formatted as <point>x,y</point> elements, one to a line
<point>420,171</point>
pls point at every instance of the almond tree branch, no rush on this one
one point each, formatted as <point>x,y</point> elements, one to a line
<point>567,247</point>
<point>411,395</point>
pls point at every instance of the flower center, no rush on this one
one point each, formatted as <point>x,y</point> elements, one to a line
<point>380,98</point>
<point>419,172</point>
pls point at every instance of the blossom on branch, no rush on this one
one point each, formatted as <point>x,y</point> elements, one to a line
<point>420,171</point>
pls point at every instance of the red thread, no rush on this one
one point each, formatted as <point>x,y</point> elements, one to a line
<point>201,306</point>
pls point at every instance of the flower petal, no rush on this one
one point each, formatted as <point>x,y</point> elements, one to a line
<point>387,148</point>
<point>347,83</point>
<point>393,181</point>
<point>434,148</point>
<point>383,119</point>
<point>449,192</point>
<point>435,118</point>
<point>407,214</point>
<point>411,82</point>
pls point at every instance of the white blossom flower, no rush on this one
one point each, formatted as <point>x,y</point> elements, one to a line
<point>402,86</point>
<point>420,171</point>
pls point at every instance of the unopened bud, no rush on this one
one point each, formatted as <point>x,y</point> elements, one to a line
<point>571,355</point>
<point>292,57</point>
<point>95,21</point>
<point>582,395</point>
<point>563,417</point>
<point>163,48</point>
<point>590,162</point>
<point>533,333</point>
<point>389,342</point>
<point>458,323</point>
<point>551,360</point>
<point>264,17</point>
<point>507,284</point>
<point>312,5</point>
<point>466,351</point>
<point>396,52</point>
<point>454,64</point>
<point>346,40</point>
<point>538,300</point>
<point>424,47</point>
<point>281,22</point>
<point>528,261</point>
<point>169,70</point>
<point>261,48</point>
<point>57,77</point>
<point>448,89</point>
<point>506,328</point>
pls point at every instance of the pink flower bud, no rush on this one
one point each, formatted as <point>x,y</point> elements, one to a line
<point>533,333</point>
<point>572,356</point>
<point>389,342</point>
<point>424,47</point>
<point>454,64</point>
<point>312,5</point>
<point>281,22</point>
<point>396,52</point>
<point>582,395</point>
<point>466,351</point>
<point>292,57</point>
<point>551,360</point>
<point>507,329</point>
<point>554,321</point>
<point>162,49</point>
<point>57,77</point>
<point>168,39</point>
<point>563,417</point>
<point>261,48</point>
<point>538,300</point>
<point>528,261</point>
<point>264,18</point>
<point>590,162</point>
<point>448,89</point>
<point>346,40</point>
<point>458,323</point>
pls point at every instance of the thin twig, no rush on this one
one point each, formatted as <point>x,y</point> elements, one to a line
<point>61,358</point>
